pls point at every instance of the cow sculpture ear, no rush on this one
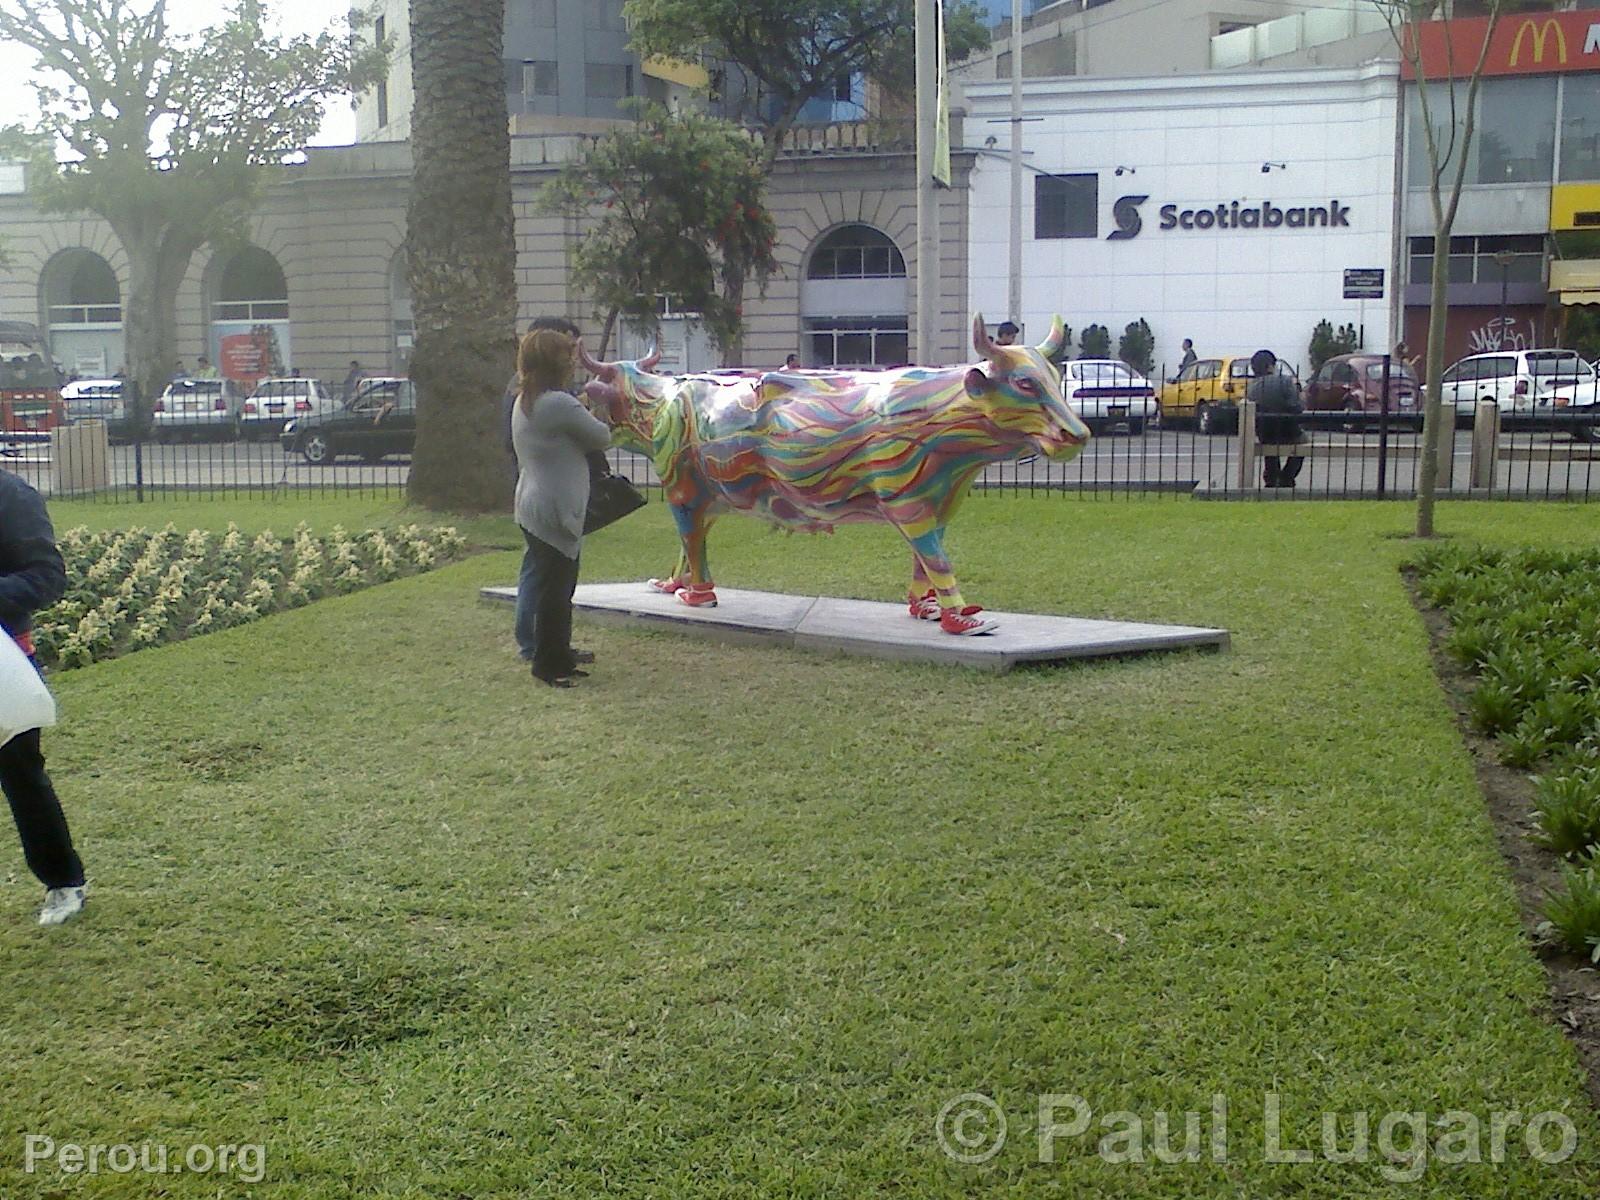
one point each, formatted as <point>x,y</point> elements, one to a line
<point>1051,346</point>
<point>978,384</point>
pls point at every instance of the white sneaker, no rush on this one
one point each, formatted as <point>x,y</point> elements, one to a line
<point>61,905</point>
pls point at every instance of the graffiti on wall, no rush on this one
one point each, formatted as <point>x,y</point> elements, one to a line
<point>1502,333</point>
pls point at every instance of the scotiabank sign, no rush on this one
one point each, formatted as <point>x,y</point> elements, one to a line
<point>1227,214</point>
<point>1521,44</point>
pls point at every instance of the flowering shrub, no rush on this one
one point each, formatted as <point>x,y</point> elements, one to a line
<point>133,588</point>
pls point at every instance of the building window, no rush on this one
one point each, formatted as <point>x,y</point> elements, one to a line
<point>1066,206</point>
<point>543,13</point>
<point>608,81</point>
<point>251,288</point>
<point>380,30</point>
<point>1516,130</point>
<point>1580,127</point>
<point>858,341</point>
<point>841,88</point>
<point>856,252</point>
<point>1446,141</point>
<point>604,14</point>
<point>1472,259</point>
<point>539,79</point>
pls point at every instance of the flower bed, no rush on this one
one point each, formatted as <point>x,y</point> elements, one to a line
<point>133,588</point>
<point>1526,624</point>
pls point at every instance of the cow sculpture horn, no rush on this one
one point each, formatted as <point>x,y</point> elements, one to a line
<point>1051,346</point>
<point>981,341</point>
<point>649,361</point>
<point>600,370</point>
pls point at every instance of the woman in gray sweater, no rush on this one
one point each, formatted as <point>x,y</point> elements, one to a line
<point>552,432</point>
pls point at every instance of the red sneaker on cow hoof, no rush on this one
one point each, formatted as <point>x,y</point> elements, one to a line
<point>924,607</point>
<point>668,587</point>
<point>965,622</point>
<point>694,597</point>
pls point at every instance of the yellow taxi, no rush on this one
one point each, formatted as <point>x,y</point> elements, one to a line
<point>1208,392</point>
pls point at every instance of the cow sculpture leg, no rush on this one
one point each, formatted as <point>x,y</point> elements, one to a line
<point>941,602</point>
<point>690,580</point>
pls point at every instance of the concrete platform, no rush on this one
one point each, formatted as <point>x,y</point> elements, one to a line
<point>874,629</point>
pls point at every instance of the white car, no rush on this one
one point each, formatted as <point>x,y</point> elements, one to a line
<point>1524,383</point>
<point>197,408</point>
<point>1107,393</point>
<point>278,400</point>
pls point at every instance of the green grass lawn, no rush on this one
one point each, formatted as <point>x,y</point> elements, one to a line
<point>731,922</point>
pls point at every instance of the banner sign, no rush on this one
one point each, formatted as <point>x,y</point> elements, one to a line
<point>1522,44</point>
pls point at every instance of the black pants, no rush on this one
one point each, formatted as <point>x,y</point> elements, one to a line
<point>557,577</point>
<point>1285,475</point>
<point>46,843</point>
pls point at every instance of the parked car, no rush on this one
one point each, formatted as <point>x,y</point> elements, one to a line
<point>1107,393</point>
<point>198,408</point>
<point>1353,383</point>
<point>380,419</point>
<point>278,400</point>
<point>1208,392</point>
<point>99,400</point>
<point>1528,385</point>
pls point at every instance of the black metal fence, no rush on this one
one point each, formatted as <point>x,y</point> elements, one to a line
<point>1490,454</point>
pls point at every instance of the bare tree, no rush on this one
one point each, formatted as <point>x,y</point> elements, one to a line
<point>1447,169</point>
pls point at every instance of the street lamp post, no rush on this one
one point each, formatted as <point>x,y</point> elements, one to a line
<point>1502,259</point>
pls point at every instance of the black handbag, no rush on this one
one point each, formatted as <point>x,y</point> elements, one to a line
<point>611,497</point>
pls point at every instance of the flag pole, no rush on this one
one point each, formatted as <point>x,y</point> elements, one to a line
<point>927,195</point>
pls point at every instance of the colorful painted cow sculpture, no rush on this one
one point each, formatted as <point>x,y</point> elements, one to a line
<point>811,450</point>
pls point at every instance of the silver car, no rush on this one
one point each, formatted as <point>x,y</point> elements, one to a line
<point>98,400</point>
<point>278,400</point>
<point>198,408</point>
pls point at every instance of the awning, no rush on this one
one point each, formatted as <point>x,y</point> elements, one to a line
<point>1580,297</point>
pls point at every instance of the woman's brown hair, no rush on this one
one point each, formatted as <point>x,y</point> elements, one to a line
<point>544,364</point>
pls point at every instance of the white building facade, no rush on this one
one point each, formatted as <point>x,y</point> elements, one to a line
<point>1225,208</point>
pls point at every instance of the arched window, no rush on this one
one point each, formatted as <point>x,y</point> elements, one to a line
<point>251,288</point>
<point>853,300</point>
<point>856,252</point>
<point>81,289</point>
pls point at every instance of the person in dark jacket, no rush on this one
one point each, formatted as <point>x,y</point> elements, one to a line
<point>1277,400</point>
<point>33,576</point>
<point>526,623</point>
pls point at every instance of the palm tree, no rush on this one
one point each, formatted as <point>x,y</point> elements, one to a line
<point>460,254</point>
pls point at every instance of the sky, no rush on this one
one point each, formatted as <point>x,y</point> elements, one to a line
<point>17,101</point>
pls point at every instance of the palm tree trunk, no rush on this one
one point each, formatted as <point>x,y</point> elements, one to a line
<point>461,255</point>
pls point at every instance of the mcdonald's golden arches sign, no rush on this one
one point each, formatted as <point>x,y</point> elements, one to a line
<point>1522,44</point>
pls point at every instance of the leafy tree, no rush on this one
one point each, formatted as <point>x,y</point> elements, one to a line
<point>680,210</point>
<point>170,136</point>
<point>1326,343</point>
<point>461,254</point>
<point>795,51</point>
<point>1137,347</point>
<point>1094,342</point>
<point>1448,108</point>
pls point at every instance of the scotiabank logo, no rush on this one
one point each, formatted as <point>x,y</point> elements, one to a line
<point>1538,32</point>
<point>1125,212</point>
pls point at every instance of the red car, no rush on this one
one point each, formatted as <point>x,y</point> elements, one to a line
<point>1354,383</point>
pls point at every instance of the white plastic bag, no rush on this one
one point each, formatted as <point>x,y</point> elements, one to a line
<point>25,702</point>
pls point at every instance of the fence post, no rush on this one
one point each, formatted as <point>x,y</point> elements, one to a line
<point>1247,445</point>
<point>1447,446</point>
<point>1485,444</point>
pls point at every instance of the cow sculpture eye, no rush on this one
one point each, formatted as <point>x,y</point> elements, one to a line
<point>1027,386</point>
